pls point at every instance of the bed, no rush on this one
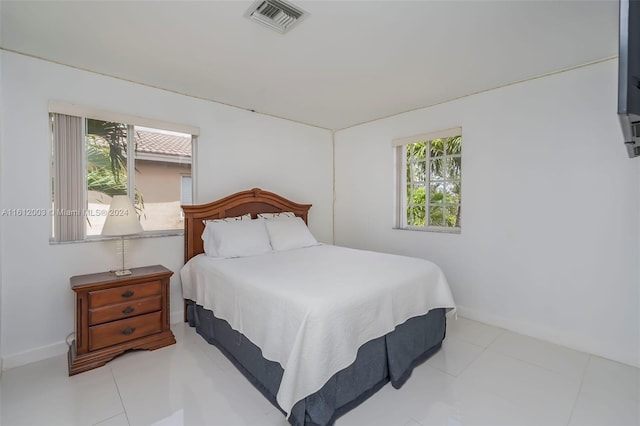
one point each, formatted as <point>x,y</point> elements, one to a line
<point>317,329</point>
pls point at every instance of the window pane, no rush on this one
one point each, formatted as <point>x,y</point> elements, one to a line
<point>452,194</point>
<point>436,169</point>
<point>436,216</point>
<point>106,152</point>
<point>416,205</point>
<point>416,215</point>
<point>416,194</point>
<point>416,151</point>
<point>418,171</point>
<point>453,145</point>
<point>453,167</point>
<point>453,216</point>
<point>436,147</point>
<point>162,162</point>
<point>436,193</point>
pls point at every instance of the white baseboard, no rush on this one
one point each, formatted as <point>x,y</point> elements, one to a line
<point>528,329</point>
<point>55,349</point>
<point>547,334</point>
<point>33,355</point>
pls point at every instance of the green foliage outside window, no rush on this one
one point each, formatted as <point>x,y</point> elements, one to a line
<point>106,149</point>
<point>434,168</point>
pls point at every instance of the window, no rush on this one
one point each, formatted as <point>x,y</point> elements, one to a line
<point>429,184</point>
<point>94,159</point>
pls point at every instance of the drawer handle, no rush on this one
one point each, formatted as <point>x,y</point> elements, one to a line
<point>127,293</point>
<point>128,310</point>
<point>127,331</point>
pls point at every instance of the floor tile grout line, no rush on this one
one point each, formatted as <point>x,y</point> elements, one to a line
<point>502,331</point>
<point>561,376</point>
<point>575,402</point>
<point>417,422</point>
<point>472,361</point>
<point>546,342</point>
<point>109,418</point>
<point>464,341</point>
<point>442,371</point>
<point>624,397</point>
<point>124,409</point>
<point>538,365</point>
<point>566,378</point>
<point>528,363</point>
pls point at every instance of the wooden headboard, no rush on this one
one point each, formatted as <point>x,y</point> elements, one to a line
<point>253,201</point>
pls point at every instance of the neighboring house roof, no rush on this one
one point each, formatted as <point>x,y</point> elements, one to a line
<point>163,144</point>
<point>154,146</point>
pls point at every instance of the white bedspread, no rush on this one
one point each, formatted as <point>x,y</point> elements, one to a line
<point>310,309</point>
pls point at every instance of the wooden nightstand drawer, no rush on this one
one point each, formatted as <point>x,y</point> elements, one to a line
<point>104,335</point>
<point>123,294</point>
<point>125,310</point>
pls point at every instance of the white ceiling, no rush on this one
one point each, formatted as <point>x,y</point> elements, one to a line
<point>349,62</point>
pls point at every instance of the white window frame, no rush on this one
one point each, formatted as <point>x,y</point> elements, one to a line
<point>116,117</point>
<point>131,121</point>
<point>400,148</point>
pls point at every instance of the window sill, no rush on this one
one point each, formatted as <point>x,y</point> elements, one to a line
<point>431,229</point>
<point>149,234</point>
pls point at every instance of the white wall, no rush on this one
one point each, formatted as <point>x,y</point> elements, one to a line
<point>237,150</point>
<point>549,242</point>
<point>1,218</point>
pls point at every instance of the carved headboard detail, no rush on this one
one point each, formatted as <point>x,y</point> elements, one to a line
<point>253,201</point>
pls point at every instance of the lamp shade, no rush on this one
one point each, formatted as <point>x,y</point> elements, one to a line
<point>121,218</point>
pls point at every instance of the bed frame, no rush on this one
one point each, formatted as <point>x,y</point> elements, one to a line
<point>253,202</point>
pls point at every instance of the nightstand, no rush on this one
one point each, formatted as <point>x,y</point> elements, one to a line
<point>115,314</point>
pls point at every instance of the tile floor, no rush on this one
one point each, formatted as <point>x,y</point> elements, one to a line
<point>482,376</point>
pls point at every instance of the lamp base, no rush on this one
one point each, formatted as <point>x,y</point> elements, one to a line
<point>122,272</point>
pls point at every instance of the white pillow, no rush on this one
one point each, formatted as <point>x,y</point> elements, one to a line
<point>240,238</point>
<point>209,245</point>
<point>289,233</point>
<point>276,216</point>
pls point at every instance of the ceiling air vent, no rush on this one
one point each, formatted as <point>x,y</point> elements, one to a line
<point>278,15</point>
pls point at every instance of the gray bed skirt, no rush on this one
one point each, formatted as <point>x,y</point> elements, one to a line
<point>388,358</point>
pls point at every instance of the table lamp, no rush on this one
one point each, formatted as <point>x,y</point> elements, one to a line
<point>121,220</point>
